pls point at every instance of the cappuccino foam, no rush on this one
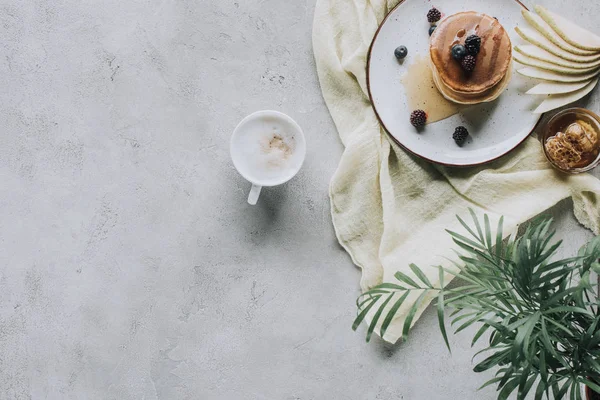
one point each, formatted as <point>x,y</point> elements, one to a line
<point>267,150</point>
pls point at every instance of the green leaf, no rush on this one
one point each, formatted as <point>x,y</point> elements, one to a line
<point>559,326</point>
<point>525,386</point>
<point>377,316</point>
<point>472,245</point>
<point>497,348</point>
<point>542,366</point>
<point>591,249</point>
<point>595,365</point>
<point>563,391</point>
<point>467,227</point>
<point>440,311</point>
<point>470,322</point>
<point>391,286</point>
<point>556,264</point>
<point>392,313</point>
<point>595,387</point>
<point>476,223</point>
<point>557,297</point>
<point>508,389</point>
<point>477,252</point>
<point>517,324</point>
<point>569,309</point>
<point>521,343</point>
<point>498,326</point>
<point>540,390</point>
<point>375,292</point>
<point>490,382</point>
<point>407,279</point>
<point>577,391</point>
<point>463,316</point>
<point>363,314</point>
<point>488,233</point>
<point>589,333</point>
<point>595,339</point>
<point>456,274</point>
<point>509,372</point>
<point>479,333</point>
<point>419,274</point>
<point>499,237</point>
<point>491,361</point>
<point>547,341</point>
<point>411,314</point>
<point>555,388</point>
<point>549,252</point>
<point>359,305</point>
<point>546,280</point>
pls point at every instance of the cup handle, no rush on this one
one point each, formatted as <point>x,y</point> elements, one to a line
<point>254,193</point>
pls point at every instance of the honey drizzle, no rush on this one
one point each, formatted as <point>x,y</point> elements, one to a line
<point>421,92</point>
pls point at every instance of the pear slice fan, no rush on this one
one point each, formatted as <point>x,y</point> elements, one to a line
<point>564,55</point>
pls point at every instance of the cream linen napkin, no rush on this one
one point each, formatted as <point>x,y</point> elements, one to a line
<point>390,209</point>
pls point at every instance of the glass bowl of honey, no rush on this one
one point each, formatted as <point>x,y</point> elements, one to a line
<point>571,140</point>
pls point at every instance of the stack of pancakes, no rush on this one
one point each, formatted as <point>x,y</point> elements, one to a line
<point>493,68</point>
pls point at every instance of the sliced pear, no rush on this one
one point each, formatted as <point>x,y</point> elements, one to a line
<point>571,32</point>
<point>542,27</point>
<point>556,77</point>
<point>541,41</point>
<point>532,62</point>
<point>559,100</point>
<point>557,87</point>
<point>542,55</point>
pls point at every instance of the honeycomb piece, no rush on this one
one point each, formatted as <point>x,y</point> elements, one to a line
<point>578,138</point>
<point>590,131</point>
<point>561,152</point>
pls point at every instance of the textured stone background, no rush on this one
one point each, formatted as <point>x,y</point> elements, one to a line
<point>131,266</point>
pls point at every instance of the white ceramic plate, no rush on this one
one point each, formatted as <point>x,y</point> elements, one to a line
<point>495,128</point>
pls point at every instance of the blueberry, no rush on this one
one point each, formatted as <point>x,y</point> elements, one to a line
<point>459,52</point>
<point>431,29</point>
<point>401,52</point>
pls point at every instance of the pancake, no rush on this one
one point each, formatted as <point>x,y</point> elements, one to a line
<point>469,98</point>
<point>493,60</point>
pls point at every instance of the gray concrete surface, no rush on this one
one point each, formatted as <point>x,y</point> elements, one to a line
<point>131,266</point>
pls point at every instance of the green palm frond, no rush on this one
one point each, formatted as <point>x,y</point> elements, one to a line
<point>541,316</point>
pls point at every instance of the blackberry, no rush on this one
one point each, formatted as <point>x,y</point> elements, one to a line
<point>473,44</point>
<point>468,63</point>
<point>460,135</point>
<point>418,118</point>
<point>458,52</point>
<point>434,15</point>
<point>401,52</point>
<point>431,29</point>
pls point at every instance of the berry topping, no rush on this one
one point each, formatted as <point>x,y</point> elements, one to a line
<point>468,63</point>
<point>459,52</point>
<point>431,29</point>
<point>473,44</point>
<point>434,15</point>
<point>401,52</point>
<point>460,135</point>
<point>418,118</point>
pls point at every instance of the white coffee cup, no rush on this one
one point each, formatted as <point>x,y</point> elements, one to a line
<point>268,149</point>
